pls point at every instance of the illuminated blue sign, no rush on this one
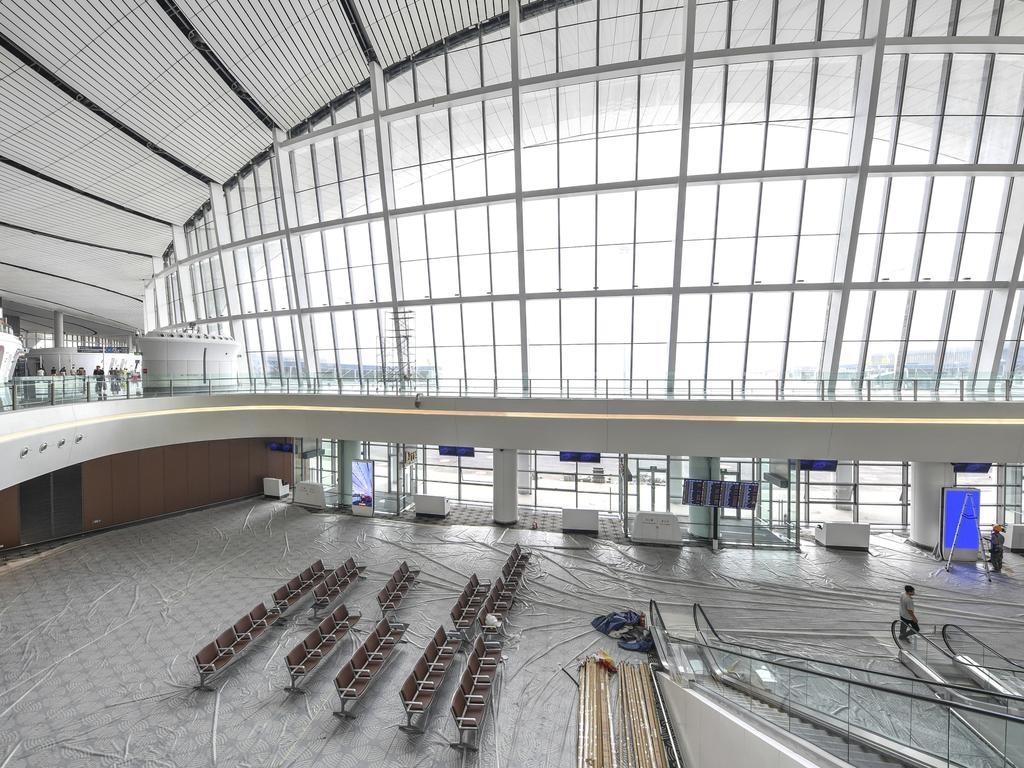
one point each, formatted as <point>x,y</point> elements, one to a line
<point>960,510</point>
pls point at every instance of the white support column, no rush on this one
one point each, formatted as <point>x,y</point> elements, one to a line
<point>686,91</point>
<point>853,203</point>
<point>188,304</point>
<point>927,479</point>
<point>387,191</point>
<point>506,492</point>
<point>517,154</point>
<point>222,231</point>
<point>293,252</point>
<point>58,329</point>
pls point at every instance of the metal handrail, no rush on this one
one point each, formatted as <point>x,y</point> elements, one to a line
<point>955,688</point>
<point>980,710</point>
<point>1014,667</point>
<point>953,709</point>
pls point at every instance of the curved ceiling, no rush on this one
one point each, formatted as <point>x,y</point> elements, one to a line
<point>116,115</point>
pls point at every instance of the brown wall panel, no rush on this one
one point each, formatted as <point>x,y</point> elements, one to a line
<point>238,469</point>
<point>257,463</point>
<point>279,464</point>
<point>10,517</point>
<point>220,481</point>
<point>124,479</point>
<point>175,478</point>
<point>151,482</point>
<point>198,474</point>
<point>97,494</point>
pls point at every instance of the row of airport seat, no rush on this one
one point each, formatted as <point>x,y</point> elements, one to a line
<point>290,593</point>
<point>393,593</point>
<point>229,645</point>
<point>319,644</point>
<point>335,584</point>
<point>474,696</point>
<point>420,689</point>
<point>367,663</point>
<point>213,658</point>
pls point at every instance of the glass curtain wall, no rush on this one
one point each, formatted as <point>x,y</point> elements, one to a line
<point>619,234</point>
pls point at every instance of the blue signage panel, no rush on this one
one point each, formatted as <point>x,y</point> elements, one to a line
<point>960,507</point>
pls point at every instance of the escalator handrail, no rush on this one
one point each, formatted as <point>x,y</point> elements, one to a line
<point>954,688</point>
<point>1014,666</point>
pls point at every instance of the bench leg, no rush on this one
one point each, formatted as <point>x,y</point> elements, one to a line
<point>342,713</point>
<point>294,688</point>
<point>409,727</point>
<point>465,742</point>
<point>202,683</point>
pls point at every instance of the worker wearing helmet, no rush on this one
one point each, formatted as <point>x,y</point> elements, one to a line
<point>995,548</point>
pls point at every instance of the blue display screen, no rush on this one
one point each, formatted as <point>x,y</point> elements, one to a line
<point>960,506</point>
<point>588,456</point>
<point>456,450</point>
<point>818,465</point>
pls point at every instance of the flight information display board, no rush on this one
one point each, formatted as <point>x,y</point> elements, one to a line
<point>728,494</point>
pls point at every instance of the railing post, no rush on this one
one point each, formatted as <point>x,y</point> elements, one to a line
<point>647,391</point>
<point>915,390</point>
<point>209,387</point>
<point>821,389</point>
<point>14,396</point>
<point>1009,385</point>
<point>606,389</point>
<point>732,389</point>
<point>170,383</point>
<point>689,389</point>
<point>53,392</point>
<point>961,390</point>
<point>868,389</point>
<point>776,389</point>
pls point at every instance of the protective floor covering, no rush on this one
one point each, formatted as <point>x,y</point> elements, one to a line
<point>98,636</point>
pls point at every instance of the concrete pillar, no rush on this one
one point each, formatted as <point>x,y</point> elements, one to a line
<point>927,479</point>
<point>58,329</point>
<point>701,518</point>
<point>506,492</point>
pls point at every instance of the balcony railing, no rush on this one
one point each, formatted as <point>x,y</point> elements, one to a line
<point>37,391</point>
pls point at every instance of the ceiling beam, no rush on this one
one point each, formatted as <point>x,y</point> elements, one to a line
<point>29,230</point>
<point>195,37</point>
<point>352,15</point>
<point>40,69</point>
<point>56,182</point>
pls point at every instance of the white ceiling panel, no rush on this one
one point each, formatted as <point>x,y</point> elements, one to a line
<point>44,129</point>
<point>119,273</point>
<point>291,57</point>
<point>130,58</point>
<point>26,201</point>
<point>400,28</point>
<point>51,293</point>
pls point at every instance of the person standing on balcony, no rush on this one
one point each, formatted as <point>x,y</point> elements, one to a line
<point>908,618</point>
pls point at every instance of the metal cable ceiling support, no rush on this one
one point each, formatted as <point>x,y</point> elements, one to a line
<point>23,56</point>
<point>358,30</point>
<point>76,190</point>
<point>175,14</point>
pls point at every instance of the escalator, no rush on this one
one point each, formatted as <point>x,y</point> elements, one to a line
<point>861,716</point>
<point>932,662</point>
<point>986,666</point>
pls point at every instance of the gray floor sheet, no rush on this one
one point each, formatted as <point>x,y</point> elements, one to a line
<point>97,636</point>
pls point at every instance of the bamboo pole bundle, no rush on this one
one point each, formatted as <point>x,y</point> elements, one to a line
<point>595,730</point>
<point>641,731</point>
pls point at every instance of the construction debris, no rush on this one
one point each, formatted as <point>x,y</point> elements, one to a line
<point>640,740</point>
<point>596,738</point>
